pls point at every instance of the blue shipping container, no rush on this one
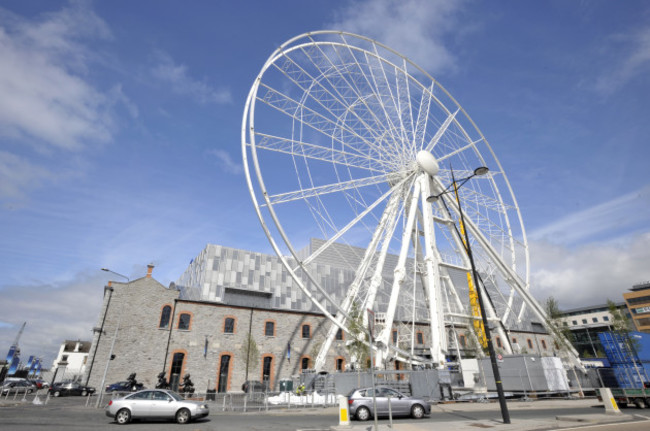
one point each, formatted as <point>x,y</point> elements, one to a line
<point>629,376</point>
<point>617,349</point>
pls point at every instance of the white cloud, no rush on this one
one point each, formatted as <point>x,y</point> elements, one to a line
<point>634,63</point>
<point>227,163</point>
<point>628,212</point>
<point>590,274</point>
<point>415,28</point>
<point>167,71</point>
<point>53,314</point>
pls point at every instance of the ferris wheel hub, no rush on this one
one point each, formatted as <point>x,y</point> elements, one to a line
<point>427,162</point>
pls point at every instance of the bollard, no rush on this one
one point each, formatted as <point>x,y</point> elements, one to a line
<point>344,415</point>
<point>608,400</point>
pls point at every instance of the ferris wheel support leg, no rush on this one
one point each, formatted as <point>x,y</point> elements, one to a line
<point>400,271</point>
<point>432,285</point>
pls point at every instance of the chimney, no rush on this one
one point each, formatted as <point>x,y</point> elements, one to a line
<point>149,270</point>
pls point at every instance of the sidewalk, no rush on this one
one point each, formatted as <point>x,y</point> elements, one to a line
<point>464,417</point>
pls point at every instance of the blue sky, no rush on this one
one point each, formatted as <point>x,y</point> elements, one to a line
<point>120,135</point>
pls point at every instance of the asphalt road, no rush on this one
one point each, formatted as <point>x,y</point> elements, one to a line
<point>71,414</point>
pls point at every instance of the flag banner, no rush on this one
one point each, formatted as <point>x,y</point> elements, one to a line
<point>14,366</point>
<point>10,355</point>
<point>288,352</point>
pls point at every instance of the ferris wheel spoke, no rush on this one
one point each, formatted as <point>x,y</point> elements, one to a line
<point>333,188</point>
<point>298,148</point>
<point>423,116</point>
<point>316,121</point>
<point>441,131</point>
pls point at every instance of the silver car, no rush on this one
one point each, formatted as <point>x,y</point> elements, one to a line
<point>155,404</point>
<point>360,404</point>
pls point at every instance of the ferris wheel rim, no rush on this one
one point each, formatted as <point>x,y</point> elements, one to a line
<point>250,144</point>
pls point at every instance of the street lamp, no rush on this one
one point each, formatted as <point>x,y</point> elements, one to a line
<point>493,359</point>
<point>110,354</point>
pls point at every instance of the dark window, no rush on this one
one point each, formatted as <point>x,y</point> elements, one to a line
<point>530,343</point>
<point>229,326</point>
<point>165,316</point>
<point>304,363</point>
<point>462,341</point>
<point>339,334</point>
<point>395,337</point>
<point>544,344</point>
<point>339,364</point>
<point>420,338</point>
<point>575,322</point>
<point>584,320</point>
<point>606,318</point>
<point>224,368</point>
<point>267,366</point>
<point>184,321</point>
<point>269,329</point>
<point>306,331</point>
<point>177,366</point>
<point>514,340</point>
<point>499,342</point>
<point>594,319</point>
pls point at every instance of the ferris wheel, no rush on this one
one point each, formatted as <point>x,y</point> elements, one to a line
<point>344,139</point>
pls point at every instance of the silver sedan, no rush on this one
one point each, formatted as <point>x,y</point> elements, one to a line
<point>361,405</point>
<point>155,404</point>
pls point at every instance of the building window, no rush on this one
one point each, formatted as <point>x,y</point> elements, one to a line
<point>229,325</point>
<point>530,343</point>
<point>267,368</point>
<point>420,338</point>
<point>304,363</point>
<point>224,369</point>
<point>514,340</point>
<point>306,331</point>
<point>340,364</point>
<point>499,342</point>
<point>177,367</point>
<point>544,344</point>
<point>606,318</point>
<point>269,329</point>
<point>339,334</point>
<point>594,319</point>
<point>462,341</point>
<point>184,321</point>
<point>394,336</point>
<point>584,321</point>
<point>574,322</point>
<point>165,316</point>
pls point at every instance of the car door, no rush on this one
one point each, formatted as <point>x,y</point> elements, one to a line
<point>399,406</point>
<point>140,404</point>
<point>381,400</point>
<point>161,405</point>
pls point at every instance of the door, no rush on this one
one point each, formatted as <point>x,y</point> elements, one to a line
<point>224,369</point>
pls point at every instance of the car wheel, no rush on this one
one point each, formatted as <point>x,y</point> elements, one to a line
<point>363,414</point>
<point>123,417</point>
<point>183,416</point>
<point>84,393</point>
<point>417,411</point>
<point>57,393</point>
<point>638,402</point>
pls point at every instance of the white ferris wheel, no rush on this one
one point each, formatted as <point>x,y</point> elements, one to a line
<point>344,139</point>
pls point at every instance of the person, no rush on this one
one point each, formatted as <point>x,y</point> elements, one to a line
<point>300,390</point>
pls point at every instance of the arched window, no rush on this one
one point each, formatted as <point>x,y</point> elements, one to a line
<point>176,368</point>
<point>420,337</point>
<point>394,336</point>
<point>544,344</point>
<point>339,334</point>
<point>184,321</point>
<point>165,316</point>
<point>229,325</point>
<point>340,364</point>
<point>267,370</point>
<point>499,342</point>
<point>530,343</point>
<point>306,331</point>
<point>224,370</point>
<point>304,363</point>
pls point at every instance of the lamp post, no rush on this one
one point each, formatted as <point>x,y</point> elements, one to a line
<point>110,354</point>
<point>493,359</point>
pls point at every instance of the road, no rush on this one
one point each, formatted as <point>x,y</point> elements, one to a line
<point>71,414</point>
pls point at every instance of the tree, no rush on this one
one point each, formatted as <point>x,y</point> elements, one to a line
<point>560,332</point>
<point>622,326</point>
<point>250,351</point>
<point>356,347</point>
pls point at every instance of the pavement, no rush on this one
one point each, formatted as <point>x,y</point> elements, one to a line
<point>465,417</point>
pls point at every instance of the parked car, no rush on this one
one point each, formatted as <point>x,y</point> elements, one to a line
<point>360,404</point>
<point>253,386</point>
<point>40,383</point>
<point>62,389</point>
<point>17,387</point>
<point>125,386</point>
<point>155,404</point>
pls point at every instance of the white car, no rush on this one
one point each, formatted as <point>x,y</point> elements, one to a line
<point>155,404</point>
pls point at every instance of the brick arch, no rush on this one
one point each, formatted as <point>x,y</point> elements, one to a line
<point>231,369</point>
<point>336,360</point>
<point>169,322</point>
<point>171,363</point>
<point>309,362</point>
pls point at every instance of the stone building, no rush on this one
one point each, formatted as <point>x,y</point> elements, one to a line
<point>234,316</point>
